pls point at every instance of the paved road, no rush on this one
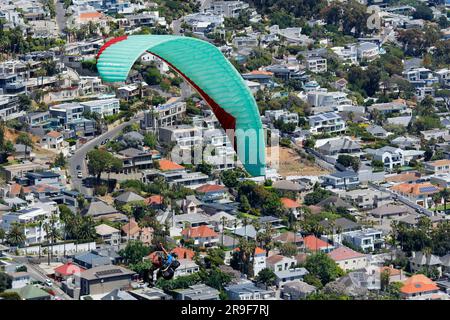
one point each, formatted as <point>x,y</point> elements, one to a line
<point>78,159</point>
<point>39,275</point>
<point>61,19</point>
<point>403,200</point>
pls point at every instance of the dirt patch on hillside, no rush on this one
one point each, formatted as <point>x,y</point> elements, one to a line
<point>11,135</point>
<point>291,164</point>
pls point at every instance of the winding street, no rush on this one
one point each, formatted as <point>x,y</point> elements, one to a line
<point>78,159</point>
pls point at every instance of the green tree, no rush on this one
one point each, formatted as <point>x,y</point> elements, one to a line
<point>16,235</point>
<point>323,267</point>
<point>288,249</point>
<point>100,160</point>
<point>423,12</point>
<point>134,252</point>
<point>24,139</point>
<point>267,277</point>
<point>150,140</point>
<point>5,281</point>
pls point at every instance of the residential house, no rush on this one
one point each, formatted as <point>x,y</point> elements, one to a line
<point>132,231</point>
<point>104,107</point>
<point>89,260</point>
<point>419,193</point>
<point>30,219</point>
<point>104,279</point>
<point>291,206</point>
<point>197,292</point>
<point>377,131</point>
<point>211,192</point>
<point>420,261</point>
<point>108,234</point>
<point>19,279</point>
<point>249,291</point>
<point>53,140</point>
<point>335,100</point>
<point>296,290</point>
<point>166,115</point>
<point>190,204</point>
<point>100,210</point>
<point>67,270</point>
<point>326,123</point>
<point>278,262</point>
<point>282,115</point>
<point>186,268</point>
<point>347,54</point>
<point>285,276</point>
<point>348,259</point>
<point>135,160</point>
<point>127,197</point>
<point>367,198</point>
<point>333,147</point>
<point>434,134</point>
<point>314,244</point>
<point>341,180</point>
<point>366,239</point>
<point>275,222</point>
<point>367,51</point>
<point>391,211</point>
<point>201,235</point>
<point>316,64</point>
<point>438,166</point>
<point>185,136</point>
<point>420,286</point>
<point>259,260</point>
<point>390,156</point>
<point>30,292</point>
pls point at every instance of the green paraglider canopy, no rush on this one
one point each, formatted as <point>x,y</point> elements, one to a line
<point>203,66</point>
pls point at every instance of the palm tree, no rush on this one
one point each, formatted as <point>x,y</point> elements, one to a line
<point>16,235</point>
<point>245,222</point>
<point>223,220</point>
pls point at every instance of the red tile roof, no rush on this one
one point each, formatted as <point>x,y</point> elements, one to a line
<point>90,15</point>
<point>69,269</point>
<point>167,165</point>
<point>154,199</point>
<point>289,203</point>
<point>344,253</point>
<point>199,232</point>
<point>184,253</point>
<point>314,244</point>
<point>258,250</point>
<point>210,188</point>
<point>418,283</point>
<point>54,134</point>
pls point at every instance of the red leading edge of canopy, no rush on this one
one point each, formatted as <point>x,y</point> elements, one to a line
<point>109,43</point>
<point>227,121</point>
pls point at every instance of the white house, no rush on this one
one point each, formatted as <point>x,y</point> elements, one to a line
<point>278,262</point>
<point>105,107</point>
<point>316,64</point>
<point>329,122</point>
<point>348,259</point>
<point>32,220</point>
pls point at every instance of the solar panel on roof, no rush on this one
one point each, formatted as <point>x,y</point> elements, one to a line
<point>108,272</point>
<point>329,115</point>
<point>428,189</point>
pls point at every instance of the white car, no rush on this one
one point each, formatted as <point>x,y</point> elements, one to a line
<point>48,283</point>
<point>80,175</point>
